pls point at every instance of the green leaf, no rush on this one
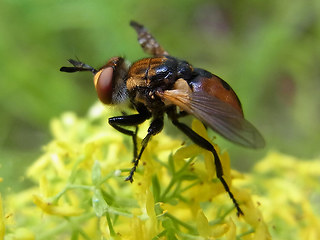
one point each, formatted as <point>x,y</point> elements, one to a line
<point>170,230</point>
<point>156,188</point>
<point>99,204</point>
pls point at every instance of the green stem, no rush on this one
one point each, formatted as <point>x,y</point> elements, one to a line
<point>174,178</point>
<point>110,225</point>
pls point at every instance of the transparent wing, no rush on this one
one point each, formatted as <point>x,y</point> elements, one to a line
<point>225,120</point>
<point>218,115</point>
<point>148,43</point>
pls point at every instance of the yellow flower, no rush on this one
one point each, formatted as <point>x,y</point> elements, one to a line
<point>57,210</point>
<point>175,193</point>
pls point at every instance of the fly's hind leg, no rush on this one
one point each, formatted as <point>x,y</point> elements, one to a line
<point>148,43</point>
<point>202,142</point>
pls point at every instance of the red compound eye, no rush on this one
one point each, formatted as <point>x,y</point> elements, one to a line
<point>103,83</point>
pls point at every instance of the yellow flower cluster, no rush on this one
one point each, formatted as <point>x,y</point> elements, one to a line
<point>81,192</point>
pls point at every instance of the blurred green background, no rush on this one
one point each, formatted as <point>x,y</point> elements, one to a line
<point>268,51</point>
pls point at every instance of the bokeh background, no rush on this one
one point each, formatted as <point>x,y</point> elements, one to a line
<point>268,51</point>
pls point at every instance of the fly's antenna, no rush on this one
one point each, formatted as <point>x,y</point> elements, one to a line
<point>78,67</point>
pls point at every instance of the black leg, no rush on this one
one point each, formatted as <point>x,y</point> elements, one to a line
<point>129,120</point>
<point>200,141</point>
<point>133,134</point>
<point>154,128</point>
<point>134,120</point>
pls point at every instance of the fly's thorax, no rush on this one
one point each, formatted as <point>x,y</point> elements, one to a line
<point>152,72</point>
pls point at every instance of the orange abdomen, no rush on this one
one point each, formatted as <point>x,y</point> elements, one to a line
<point>217,87</point>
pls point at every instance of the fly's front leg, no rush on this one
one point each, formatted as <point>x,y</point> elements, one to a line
<point>148,43</point>
<point>131,133</point>
<point>202,142</point>
<point>130,120</point>
<point>154,128</point>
